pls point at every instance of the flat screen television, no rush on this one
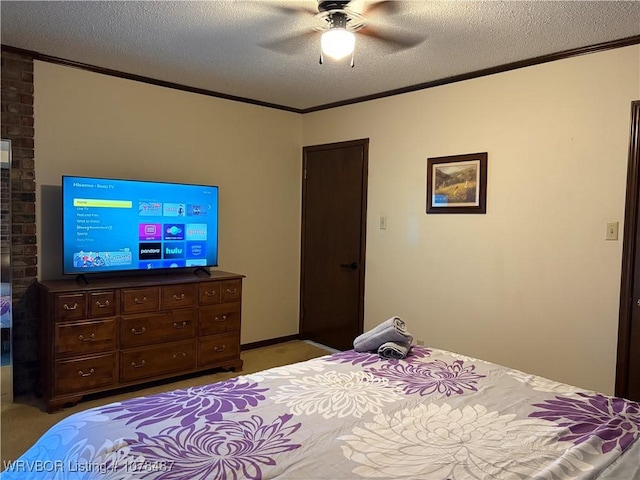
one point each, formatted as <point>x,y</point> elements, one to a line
<point>115,225</point>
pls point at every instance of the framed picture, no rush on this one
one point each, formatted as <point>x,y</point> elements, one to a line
<point>457,184</point>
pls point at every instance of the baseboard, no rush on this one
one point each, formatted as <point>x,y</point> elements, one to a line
<point>271,341</point>
<point>319,345</point>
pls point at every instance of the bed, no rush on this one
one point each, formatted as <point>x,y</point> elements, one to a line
<point>348,415</point>
<point>5,323</point>
<point>5,305</point>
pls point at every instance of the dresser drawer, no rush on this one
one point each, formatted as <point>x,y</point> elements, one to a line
<point>136,300</point>
<point>70,306</point>
<point>86,337</point>
<point>231,290</point>
<point>161,327</point>
<point>176,296</point>
<point>219,318</point>
<point>147,362</point>
<point>210,293</point>
<point>102,304</point>
<point>85,374</point>
<point>216,348</point>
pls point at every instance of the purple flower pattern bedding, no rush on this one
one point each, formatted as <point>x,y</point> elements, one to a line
<point>433,415</point>
<point>5,305</point>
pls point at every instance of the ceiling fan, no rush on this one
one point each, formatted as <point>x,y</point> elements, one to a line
<point>338,23</point>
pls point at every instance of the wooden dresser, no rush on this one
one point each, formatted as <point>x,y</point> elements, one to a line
<point>117,332</point>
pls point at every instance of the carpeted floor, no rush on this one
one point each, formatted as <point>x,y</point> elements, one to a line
<point>25,420</point>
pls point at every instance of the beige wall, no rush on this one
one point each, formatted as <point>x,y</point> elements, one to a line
<point>532,284</point>
<point>96,125</point>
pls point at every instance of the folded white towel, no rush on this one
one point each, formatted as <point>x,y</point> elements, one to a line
<point>394,350</point>
<point>392,330</point>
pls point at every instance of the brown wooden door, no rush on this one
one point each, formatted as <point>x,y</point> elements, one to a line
<point>633,375</point>
<point>334,194</point>
<point>628,365</point>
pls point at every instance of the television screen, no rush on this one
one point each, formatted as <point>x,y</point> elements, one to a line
<point>112,225</point>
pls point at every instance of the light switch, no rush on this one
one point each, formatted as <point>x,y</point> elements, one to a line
<point>612,231</point>
<point>383,223</point>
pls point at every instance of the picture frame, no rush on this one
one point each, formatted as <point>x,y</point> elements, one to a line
<point>457,184</point>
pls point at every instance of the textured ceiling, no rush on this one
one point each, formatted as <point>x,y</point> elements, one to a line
<point>219,45</point>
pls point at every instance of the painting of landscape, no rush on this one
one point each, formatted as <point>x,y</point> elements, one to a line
<point>456,184</point>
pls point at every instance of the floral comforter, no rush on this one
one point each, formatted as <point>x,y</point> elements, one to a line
<point>434,415</point>
<point>5,305</point>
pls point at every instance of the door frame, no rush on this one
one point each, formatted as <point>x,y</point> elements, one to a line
<point>629,248</point>
<point>364,143</point>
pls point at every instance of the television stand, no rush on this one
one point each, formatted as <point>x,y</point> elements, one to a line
<point>81,278</point>
<point>125,331</point>
<point>203,270</point>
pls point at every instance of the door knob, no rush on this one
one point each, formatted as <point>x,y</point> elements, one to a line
<point>352,265</point>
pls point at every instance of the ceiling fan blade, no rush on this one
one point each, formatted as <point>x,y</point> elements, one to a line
<point>385,7</point>
<point>393,39</point>
<point>290,44</point>
<point>294,10</point>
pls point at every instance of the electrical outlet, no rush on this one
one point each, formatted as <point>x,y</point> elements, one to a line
<point>612,231</point>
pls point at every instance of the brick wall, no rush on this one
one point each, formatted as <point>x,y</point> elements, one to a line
<point>18,126</point>
<point>5,212</point>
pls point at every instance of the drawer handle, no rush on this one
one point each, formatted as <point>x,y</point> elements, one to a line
<point>181,354</point>
<point>90,338</point>
<point>219,349</point>
<point>102,305</point>
<point>179,325</point>
<point>86,374</point>
<point>232,291</point>
<point>140,302</point>
<point>178,297</point>
<point>212,293</point>
<point>67,307</point>
<point>220,319</point>
<point>138,332</point>
<point>137,365</point>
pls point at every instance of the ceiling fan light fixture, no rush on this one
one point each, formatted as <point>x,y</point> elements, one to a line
<point>338,43</point>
